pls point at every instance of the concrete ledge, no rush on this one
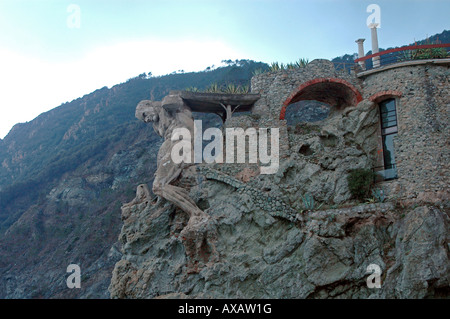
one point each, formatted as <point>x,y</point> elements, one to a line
<point>402,64</point>
<point>211,102</point>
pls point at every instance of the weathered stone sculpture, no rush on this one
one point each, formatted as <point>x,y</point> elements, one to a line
<point>142,195</point>
<point>200,226</point>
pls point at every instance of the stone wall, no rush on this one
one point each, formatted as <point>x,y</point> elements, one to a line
<point>315,158</point>
<point>276,87</point>
<point>422,144</point>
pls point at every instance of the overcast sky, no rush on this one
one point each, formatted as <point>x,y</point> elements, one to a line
<point>55,51</point>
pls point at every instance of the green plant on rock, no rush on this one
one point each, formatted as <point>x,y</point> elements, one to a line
<point>301,63</point>
<point>243,89</point>
<point>379,195</point>
<point>231,88</point>
<point>291,66</point>
<point>360,182</point>
<point>213,88</point>
<point>422,54</point>
<point>309,203</point>
<point>257,71</point>
<point>431,53</point>
<point>276,66</point>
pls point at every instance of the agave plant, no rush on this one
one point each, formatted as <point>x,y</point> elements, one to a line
<point>431,53</point>
<point>420,54</point>
<point>309,203</point>
<point>192,89</point>
<point>301,63</point>
<point>274,66</point>
<point>231,88</point>
<point>258,71</point>
<point>243,89</point>
<point>291,66</point>
<point>406,55</point>
<point>213,88</point>
<point>378,195</point>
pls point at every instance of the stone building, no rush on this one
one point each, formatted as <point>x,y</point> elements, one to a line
<point>411,102</point>
<point>391,119</point>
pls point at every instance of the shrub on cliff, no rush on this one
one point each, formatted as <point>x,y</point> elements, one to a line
<point>360,182</point>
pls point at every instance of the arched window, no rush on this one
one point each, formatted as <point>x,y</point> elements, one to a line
<point>334,92</point>
<point>389,129</point>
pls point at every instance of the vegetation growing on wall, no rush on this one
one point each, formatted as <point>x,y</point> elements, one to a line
<point>360,183</point>
<point>423,54</point>
<point>228,88</point>
<point>276,66</point>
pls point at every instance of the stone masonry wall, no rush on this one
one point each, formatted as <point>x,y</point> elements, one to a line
<point>275,87</point>
<point>422,144</point>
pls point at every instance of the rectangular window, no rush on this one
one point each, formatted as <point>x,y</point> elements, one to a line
<point>388,116</point>
<point>388,119</point>
<point>390,170</point>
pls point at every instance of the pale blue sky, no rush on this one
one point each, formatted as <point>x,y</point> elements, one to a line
<point>118,39</point>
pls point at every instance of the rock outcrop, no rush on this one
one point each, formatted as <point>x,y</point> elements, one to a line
<point>322,254</point>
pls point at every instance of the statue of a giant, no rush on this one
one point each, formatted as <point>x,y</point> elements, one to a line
<point>164,122</point>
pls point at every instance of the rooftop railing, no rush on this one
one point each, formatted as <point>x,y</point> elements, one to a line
<point>403,54</point>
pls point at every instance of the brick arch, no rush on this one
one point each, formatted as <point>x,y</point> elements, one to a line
<point>382,95</point>
<point>333,91</point>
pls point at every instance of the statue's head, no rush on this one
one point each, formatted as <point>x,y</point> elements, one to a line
<point>149,111</point>
<point>164,121</point>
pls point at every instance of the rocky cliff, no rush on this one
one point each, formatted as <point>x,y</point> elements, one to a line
<point>320,254</point>
<point>263,241</point>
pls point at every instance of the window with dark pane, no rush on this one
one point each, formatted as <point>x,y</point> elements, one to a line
<point>388,114</point>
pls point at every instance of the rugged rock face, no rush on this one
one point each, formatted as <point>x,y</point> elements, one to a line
<point>321,254</point>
